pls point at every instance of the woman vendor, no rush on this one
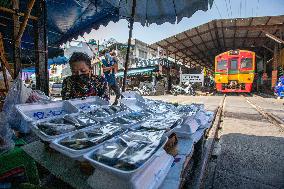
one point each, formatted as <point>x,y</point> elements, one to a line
<point>82,83</point>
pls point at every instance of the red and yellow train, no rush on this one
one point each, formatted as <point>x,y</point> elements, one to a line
<point>234,71</point>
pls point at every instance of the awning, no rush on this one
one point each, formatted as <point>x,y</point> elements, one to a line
<point>137,71</point>
<point>159,12</point>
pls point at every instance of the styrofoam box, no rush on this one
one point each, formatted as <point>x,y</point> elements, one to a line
<point>85,104</point>
<point>74,154</point>
<point>41,111</point>
<point>155,173</point>
<point>133,104</point>
<point>49,138</point>
<point>127,175</point>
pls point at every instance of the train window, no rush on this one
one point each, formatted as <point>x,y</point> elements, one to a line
<point>222,65</point>
<point>246,63</point>
<point>234,64</point>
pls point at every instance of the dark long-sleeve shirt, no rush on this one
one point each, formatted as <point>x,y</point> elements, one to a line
<point>82,86</point>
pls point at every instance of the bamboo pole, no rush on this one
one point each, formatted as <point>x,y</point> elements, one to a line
<point>4,9</point>
<point>24,23</point>
<point>128,46</point>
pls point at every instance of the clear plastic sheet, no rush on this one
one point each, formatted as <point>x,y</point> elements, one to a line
<point>6,134</point>
<point>137,116</point>
<point>203,117</point>
<point>65,124</point>
<point>104,111</point>
<point>19,94</point>
<point>98,113</point>
<point>159,107</point>
<point>161,122</point>
<point>91,137</point>
<point>130,150</point>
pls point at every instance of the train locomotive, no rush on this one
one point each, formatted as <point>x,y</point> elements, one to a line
<point>234,71</point>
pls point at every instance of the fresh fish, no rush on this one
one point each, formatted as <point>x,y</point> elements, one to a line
<point>130,150</point>
<point>72,120</point>
<point>55,129</point>
<point>98,113</point>
<point>92,137</point>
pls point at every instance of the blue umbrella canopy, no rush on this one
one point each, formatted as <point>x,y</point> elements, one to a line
<point>160,11</point>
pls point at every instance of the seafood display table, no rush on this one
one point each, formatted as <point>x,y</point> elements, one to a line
<point>68,170</point>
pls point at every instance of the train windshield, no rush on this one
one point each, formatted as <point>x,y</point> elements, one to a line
<point>234,64</point>
<point>246,63</point>
<point>222,65</point>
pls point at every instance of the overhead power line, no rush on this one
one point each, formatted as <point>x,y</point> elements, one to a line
<point>217,9</point>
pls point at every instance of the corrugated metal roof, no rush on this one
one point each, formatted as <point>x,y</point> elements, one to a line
<point>200,45</point>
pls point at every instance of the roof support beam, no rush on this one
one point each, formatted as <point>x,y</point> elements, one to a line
<point>223,34</point>
<point>212,56</point>
<point>204,55</point>
<point>251,28</point>
<point>183,45</point>
<point>234,40</point>
<point>274,38</point>
<point>4,9</point>
<point>24,23</point>
<point>244,41</point>
<point>257,27</point>
<point>216,46</point>
<point>217,35</point>
<point>237,38</point>
<point>16,48</point>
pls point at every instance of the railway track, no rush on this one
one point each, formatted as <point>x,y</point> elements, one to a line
<point>208,147</point>
<point>267,115</point>
<point>213,135</point>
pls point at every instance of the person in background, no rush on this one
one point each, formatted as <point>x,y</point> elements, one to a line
<point>82,83</point>
<point>110,67</point>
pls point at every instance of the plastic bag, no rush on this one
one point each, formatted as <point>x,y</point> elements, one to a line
<point>6,142</point>
<point>130,150</point>
<point>20,94</point>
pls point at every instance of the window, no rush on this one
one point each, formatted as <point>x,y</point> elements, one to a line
<point>142,54</point>
<point>222,65</point>
<point>246,63</point>
<point>234,64</point>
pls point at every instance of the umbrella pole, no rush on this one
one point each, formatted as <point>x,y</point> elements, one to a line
<point>128,46</point>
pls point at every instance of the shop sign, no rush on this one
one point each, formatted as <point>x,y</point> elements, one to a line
<point>192,78</point>
<point>274,78</point>
<point>140,63</point>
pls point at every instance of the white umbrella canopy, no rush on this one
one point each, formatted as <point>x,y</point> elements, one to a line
<point>160,11</point>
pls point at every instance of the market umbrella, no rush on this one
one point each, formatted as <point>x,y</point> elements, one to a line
<point>155,11</point>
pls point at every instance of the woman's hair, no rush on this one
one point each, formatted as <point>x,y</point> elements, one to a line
<point>79,56</point>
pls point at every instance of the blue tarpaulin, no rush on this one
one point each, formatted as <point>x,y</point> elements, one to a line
<point>67,19</point>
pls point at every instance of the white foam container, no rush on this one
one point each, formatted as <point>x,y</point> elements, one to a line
<point>126,175</point>
<point>154,173</point>
<point>48,138</point>
<point>74,154</point>
<point>42,111</point>
<point>84,104</point>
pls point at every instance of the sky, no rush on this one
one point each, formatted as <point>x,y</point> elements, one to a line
<point>221,9</point>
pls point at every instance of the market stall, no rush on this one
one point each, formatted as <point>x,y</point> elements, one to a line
<point>141,141</point>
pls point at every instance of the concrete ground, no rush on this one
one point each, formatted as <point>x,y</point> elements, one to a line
<point>250,152</point>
